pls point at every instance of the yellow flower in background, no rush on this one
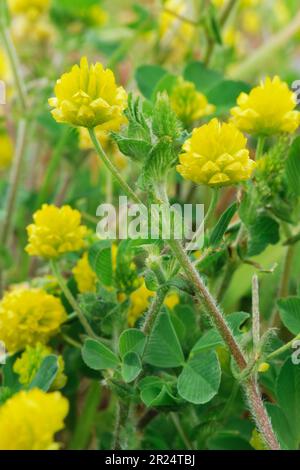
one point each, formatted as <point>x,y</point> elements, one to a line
<point>34,30</point>
<point>29,316</point>
<point>172,300</point>
<point>6,151</point>
<point>249,3</point>
<point>84,275</point>
<point>263,367</point>
<point>30,419</point>
<point>251,22</point>
<point>32,8</point>
<point>55,231</point>
<point>139,301</point>
<point>188,103</point>
<point>27,365</point>
<point>216,155</point>
<point>268,109</point>
<point>5,71</point>
<point>88,96</point>
<point>175,33</point>
<point>97,15</point>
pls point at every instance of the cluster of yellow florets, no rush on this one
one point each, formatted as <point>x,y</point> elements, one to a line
<point>268,109</point>
<point>29,316</point>
<point>30,419</point>
<point>88,96</point>
<point>216,155</point>
<point>188,103</point>
<point>30,20</point>
<point>85,277</point>
<point>27,365</point>
<point>55,231</point>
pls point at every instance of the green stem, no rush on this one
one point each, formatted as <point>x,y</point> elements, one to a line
<point>126,188</point>
<point>15,176</point>
<point>283,348</point>
<point>154,309</point>
<point>82,433</point>
<point>52,167</point>
<point>70,298</point>
<point>260,147</point>
<point>121,418</point>
<point>15,65</point>
<point>177,424</point>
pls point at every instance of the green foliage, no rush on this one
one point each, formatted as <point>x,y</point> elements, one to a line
<point>200,378</point>
<point>289,309</point>
<point>97,356</point>
<point>163,348</point>
<point>46,374</point>
<point>100,259</point>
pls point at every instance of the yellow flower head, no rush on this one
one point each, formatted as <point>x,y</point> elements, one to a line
<point>32,30</point>
<point>268,109</point>
<point>188,103</point>
<point>31,359</point>
<point>6,151</point>
<point>88,96</point>
<point>216,155</point>
<point>139,301</point>
<point>30,419</point>
<point>55,231</point>
<point>32,8</point>
<point>263,367</point>
<point>29,316</point>
<point>84,275</point>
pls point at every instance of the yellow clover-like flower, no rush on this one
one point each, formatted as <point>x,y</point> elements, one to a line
<point>29,316</point>
<point>6,151</point>
<point>188,103</point>
<point>27,365</point>
<point>29,7</point>
<point>30,419</point>
<point>268,109</point>
<point>88,96</point>
<point>55,231</point>
<point>216,155</point>
<point>140,299</point>
<point>85,277</point>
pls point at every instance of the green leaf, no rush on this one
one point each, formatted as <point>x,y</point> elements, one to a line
<point>228,440</point>
<point>203,77</point>
<point>212,338</point>
<point>225,93</point>
<point>132,340</point>
<point>155,392</point>
<point>136,149</point>
<point>9,378</point>
<point>289,310</point>
<point>221,226</point>
<point>46,374</point>
<point>263,232</point>
<point>147,77</point>
<point>163,347</point>
<point>131,366</point>
<point>293,167</point>
<point>200,378</point>
<point>166,83</point>
<point>281,427</point>
<point>288,394</point>
<point>151,280</point>
<point>100,259</point>
<point>97,356</point>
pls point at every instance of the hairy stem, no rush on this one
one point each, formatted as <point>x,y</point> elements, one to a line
<point>100,152</point>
